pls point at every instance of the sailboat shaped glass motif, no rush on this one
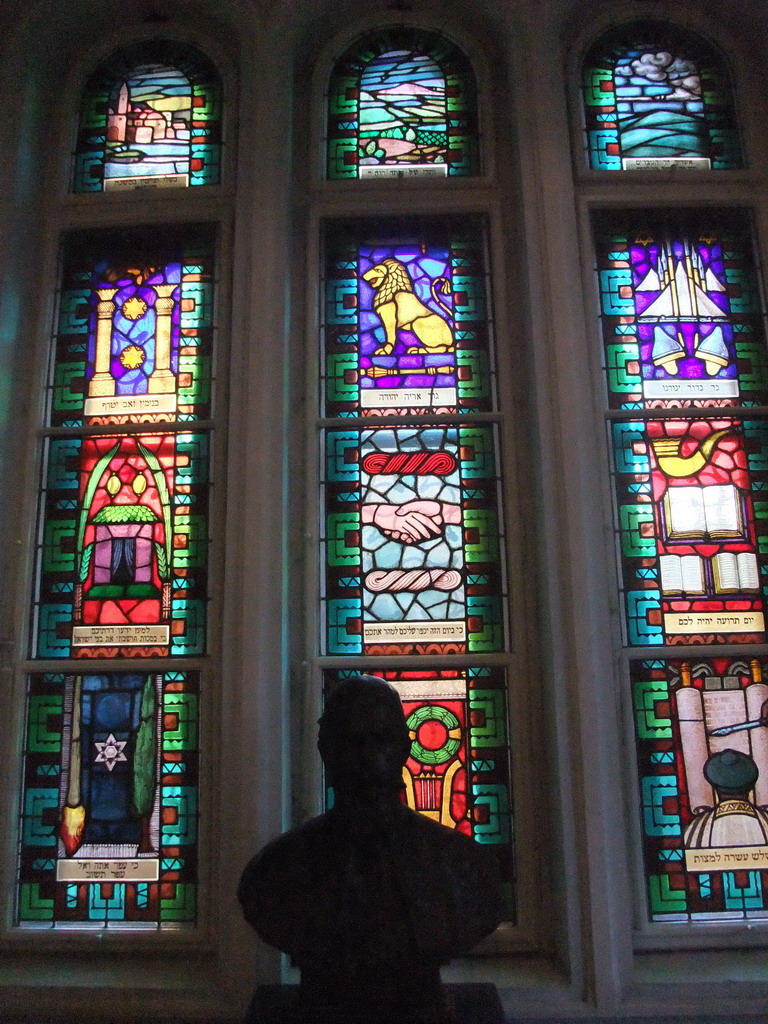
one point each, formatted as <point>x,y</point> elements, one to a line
<point>682,306</point>
<point>681,317</point>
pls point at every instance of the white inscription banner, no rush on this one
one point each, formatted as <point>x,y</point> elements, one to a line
<point>430,689</point>
<point>714,622</point>
<point>126,636</point>
<point>378,398</point>
<point>115,404</point>
<point>690,389</point>
<point>663,163</point>
<point>143,869</point>
<point>145,181</point>
<point>403,171</point>
<point>412,632</point>
<point>727,858</point>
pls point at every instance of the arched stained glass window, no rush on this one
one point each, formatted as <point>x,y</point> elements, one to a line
<point>150,118</point>
<point>402,103</point>
<point>119,603</point>
<point>687,382</point>
<point>413,529</point>
<point>656,97</point>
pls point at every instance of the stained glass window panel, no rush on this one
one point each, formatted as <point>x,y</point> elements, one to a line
<point>134,333</point>
<point>123,527</point>
<point>407,325</point>
<point>413,541</point>
<point>655,97</point>
<point>150,118</point>
<point>122,547</point>
<point>681,313</point>
<point>108,830</point>
<point>402,103</point>
<point>702,743</point>
<point>683,345</point>
<point>692,529</point>
<point>458,769</point>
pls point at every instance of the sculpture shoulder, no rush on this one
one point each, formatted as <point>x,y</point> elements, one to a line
<point>294,846</point>
<point>455,850</point>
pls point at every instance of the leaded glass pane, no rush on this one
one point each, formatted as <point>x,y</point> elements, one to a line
<point>412,540</point>
<point>692,529</point>
<point>681,312</point>
<point>458,769</point>
<point>402,103</point>
<point>407,325</point>
<point>702,742</point>
<point>134,333</point>
<point>122,547</point>
<point>150,118</point>
<point>108,832</point>
<point>655,97</point>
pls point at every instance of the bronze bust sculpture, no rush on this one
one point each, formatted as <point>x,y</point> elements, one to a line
<point>370,898</point>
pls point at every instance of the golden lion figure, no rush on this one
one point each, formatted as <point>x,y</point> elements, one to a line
<point>398,306</point>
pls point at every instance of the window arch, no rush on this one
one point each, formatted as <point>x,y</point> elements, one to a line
<point>402,102</point>
<point>120,652</point>
<point>655,96</point>
<point>415,584</point>
<point>150,118</point>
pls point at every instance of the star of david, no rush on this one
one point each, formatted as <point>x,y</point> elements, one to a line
<point>110,751</point>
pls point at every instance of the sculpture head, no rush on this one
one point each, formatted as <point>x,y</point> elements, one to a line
<point>363,739</point>
<point>732,773</point>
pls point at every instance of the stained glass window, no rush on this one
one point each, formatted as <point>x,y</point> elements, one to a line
<point>412,527</point>
<point>150,118</point>
<point>656,97</point>
<point>109,813</point>
<point>437,363</point>
<point>685,359</point>
<point>702,743</point>
<point>412,542</point>
<point>402,103</point>
<point>109,810</point>
<point>686,378</point>
<point>458,769</point>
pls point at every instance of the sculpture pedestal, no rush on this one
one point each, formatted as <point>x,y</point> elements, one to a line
<point>470,1004</point>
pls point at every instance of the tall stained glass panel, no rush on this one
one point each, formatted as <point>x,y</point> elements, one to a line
<point>702,746</point>
<point>687,381</point>
<point>109,815</point>
<point>109,804</point>
<point>401,103</point>
<point>150,118</point>
<point>458,771</point>
<point>412,525</point>
<point>685,360</point>
<point>656,97</point>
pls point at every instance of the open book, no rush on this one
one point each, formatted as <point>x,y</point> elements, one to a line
<point>694,513</point>
<point>735,573</point>
<point>682,574</point>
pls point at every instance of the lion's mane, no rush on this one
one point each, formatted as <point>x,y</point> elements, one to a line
<point>397,280</point>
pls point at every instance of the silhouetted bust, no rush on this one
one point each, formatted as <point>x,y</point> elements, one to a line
<point>371,897</point>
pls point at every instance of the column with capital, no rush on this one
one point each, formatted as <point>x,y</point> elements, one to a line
<point>102,383</point>
<point>162,381</point>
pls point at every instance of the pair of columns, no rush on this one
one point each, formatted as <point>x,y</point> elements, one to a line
<point>161,381</point>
